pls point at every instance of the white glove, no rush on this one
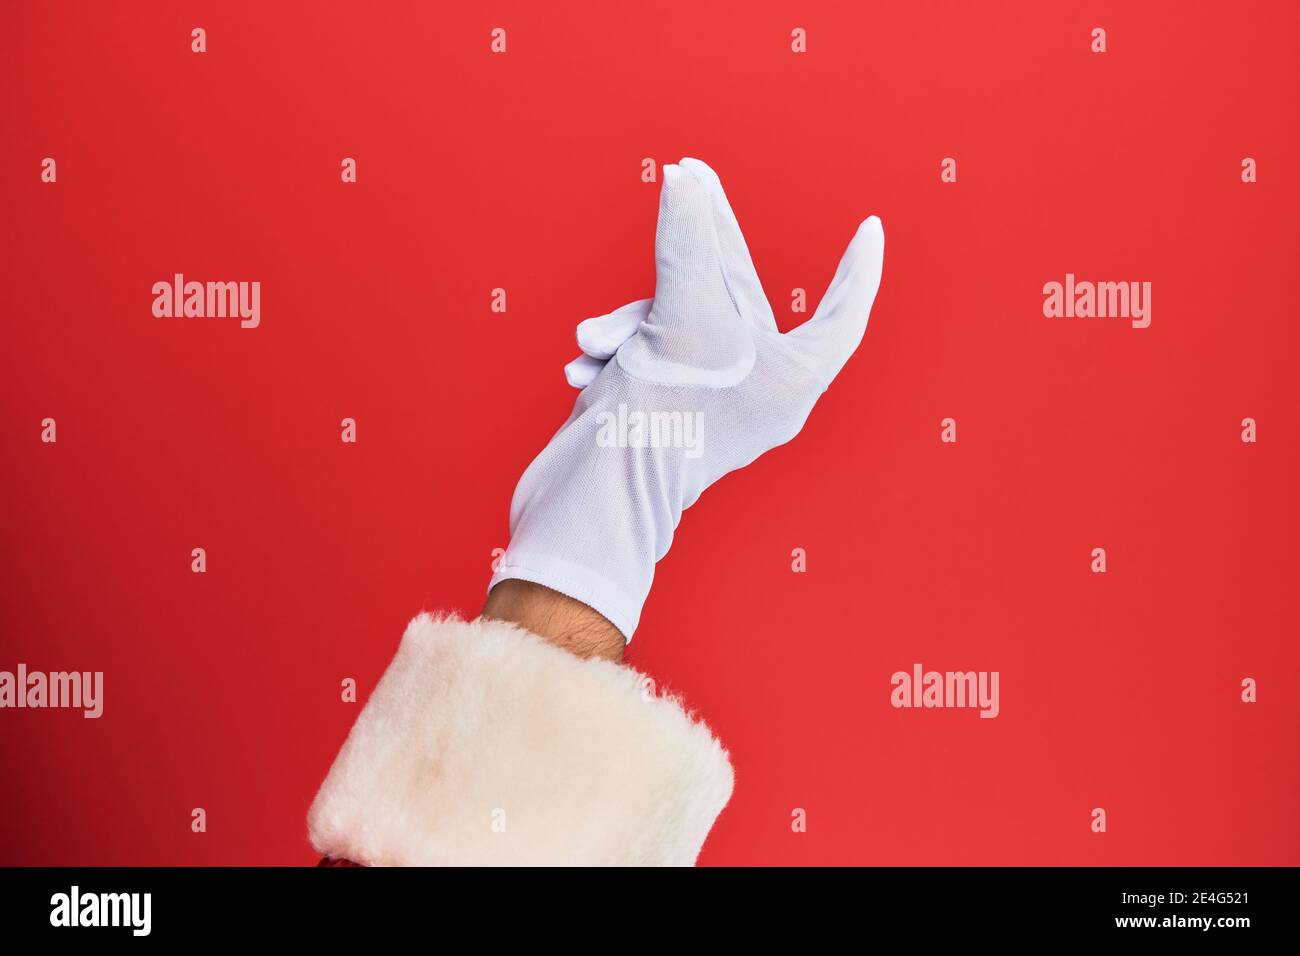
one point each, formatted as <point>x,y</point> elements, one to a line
<point>701,383</point>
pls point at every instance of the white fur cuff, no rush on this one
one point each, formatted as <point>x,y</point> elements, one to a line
<point>485,745</point>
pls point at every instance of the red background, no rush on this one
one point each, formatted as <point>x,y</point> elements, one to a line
<point>521,171</point>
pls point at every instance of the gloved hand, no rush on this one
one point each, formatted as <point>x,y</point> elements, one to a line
<point>700,383</point>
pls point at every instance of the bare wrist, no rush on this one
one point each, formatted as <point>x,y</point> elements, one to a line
<point>567,623</point>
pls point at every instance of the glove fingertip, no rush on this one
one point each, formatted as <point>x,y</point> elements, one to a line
<point>582,371</point>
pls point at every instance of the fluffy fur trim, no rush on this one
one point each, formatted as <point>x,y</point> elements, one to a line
<point>485,745</point>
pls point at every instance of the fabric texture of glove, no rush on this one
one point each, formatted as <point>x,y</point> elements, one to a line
<point>485,745</point>
<point>677,391</point>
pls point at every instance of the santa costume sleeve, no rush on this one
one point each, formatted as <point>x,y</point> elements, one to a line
<point>483,744</point>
